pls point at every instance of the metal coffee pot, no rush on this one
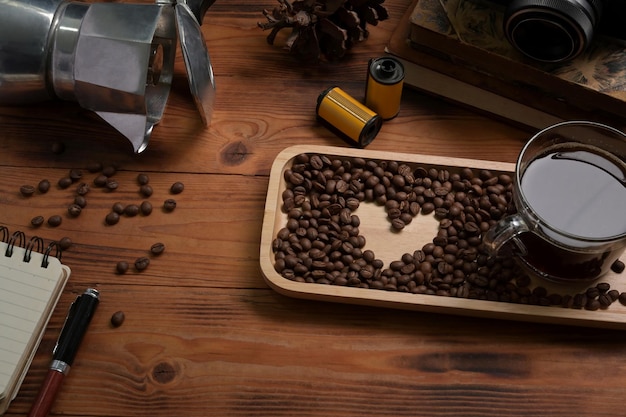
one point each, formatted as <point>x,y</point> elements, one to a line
<point>116,59</point>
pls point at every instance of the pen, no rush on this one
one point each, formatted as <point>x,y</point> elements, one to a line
<point>75,327</point>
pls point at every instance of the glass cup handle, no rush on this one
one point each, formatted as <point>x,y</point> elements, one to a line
<point>504,231</point>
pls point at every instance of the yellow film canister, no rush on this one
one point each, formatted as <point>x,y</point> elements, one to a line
<point>349,117</point>
<point>383,91</point>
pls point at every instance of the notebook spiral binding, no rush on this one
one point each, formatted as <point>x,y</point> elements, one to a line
<point>35,243</point>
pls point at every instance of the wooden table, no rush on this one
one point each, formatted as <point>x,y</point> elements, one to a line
<point>204,335</point>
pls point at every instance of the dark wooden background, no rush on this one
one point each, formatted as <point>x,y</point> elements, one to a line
<point>204,335</point>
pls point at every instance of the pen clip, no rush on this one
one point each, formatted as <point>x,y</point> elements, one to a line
<point>64,330</point>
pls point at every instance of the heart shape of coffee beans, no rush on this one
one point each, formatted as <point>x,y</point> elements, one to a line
<point>324,242</point>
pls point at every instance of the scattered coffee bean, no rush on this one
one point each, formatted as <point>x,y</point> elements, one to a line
<point>145,208</point>
<point>111,184</point>
<point>177,188</point>
<point>118,208</point>
<point>94,167</point>
<point>82,189</point>
<point>74,210</point>
<point>64,182</point>
<point>112,218</point>
<point>65,243</point>
<point>146,190</point>
<point>109,171</point>
<point>618,266</point>
<point>37,221</point>
<point>169,205</point>
<point>80,201</point>
<point>75,174</point>
<point>157,248</point>
<point>131,210</point>
<point>43,186</point>
<point>55,220</point>
<point>27,190</point>
<point>121,267</point>
<point>142,263</point>
<point>143,179</point>
<point>117,318</point>
<point>100,181</point>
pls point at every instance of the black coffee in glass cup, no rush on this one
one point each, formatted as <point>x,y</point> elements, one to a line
<point>570,195</point>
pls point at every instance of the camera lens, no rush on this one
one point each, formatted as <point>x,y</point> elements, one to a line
<point>551,30</point>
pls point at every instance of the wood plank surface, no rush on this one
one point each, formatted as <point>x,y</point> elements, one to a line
<point>204,334</point>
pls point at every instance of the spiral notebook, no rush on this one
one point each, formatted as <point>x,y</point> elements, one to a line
<point>32,279</point>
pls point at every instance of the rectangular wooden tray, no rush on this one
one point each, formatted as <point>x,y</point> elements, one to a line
<point>390,246</point>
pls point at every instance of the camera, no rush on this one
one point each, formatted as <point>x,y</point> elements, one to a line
<point>560,30</point>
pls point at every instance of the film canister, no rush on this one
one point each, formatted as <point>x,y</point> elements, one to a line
<point>348,116</point>
<point>383,90</point>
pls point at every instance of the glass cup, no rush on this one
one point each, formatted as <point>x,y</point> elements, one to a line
<point>570,195</point>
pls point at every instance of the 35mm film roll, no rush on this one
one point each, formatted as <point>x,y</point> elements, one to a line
<point>383,90</point>
<point>351,118</point>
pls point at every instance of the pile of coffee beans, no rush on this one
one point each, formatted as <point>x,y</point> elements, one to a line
<point>321,242</point>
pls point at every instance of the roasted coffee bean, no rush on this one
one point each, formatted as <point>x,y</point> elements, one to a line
<point>146,190</point>
<point>81,201</point>
<point>75,174</point>
<point>43,186</point>
<point>37,221</point>
<point>592,292</point>
<point>117,319</point>
<point>64,182</point>
<point>177,188</point>
<point>592,304</point>
<point>169,205</point>
<point>398,224</point>
<point>94,167</point>
<point>109,171</point>
<point>618,266</point>
<point>111,184</point>
<point>121,267</point>
<point>316,162</point>
<point>622,298</point>
<point>143,179</point>
<point>157,248</point>
<point>605,300</point>
<point>82,189</point>
<point>118,208</point>
<point>27,190</point>
<point>145,208</point>
<point>100,181</point>
<point>55,220</point>
<point>142,263</point>
<point>65,243</point>
<point>112,218</point>
<point>74,210</point>
<point>131,210</point>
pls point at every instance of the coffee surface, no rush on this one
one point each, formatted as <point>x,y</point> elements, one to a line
<point>579,192</point>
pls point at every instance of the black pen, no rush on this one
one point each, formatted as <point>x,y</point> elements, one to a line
<point>76,323</point>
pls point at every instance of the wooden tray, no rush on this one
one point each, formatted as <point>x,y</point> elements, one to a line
<point>390,246</point>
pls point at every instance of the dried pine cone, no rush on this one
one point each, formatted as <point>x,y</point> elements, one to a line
<point>323,28</point>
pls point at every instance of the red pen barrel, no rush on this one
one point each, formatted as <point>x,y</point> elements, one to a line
<point>47,394</point>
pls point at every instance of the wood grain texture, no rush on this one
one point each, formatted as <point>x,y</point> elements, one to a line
<point>204,335</point>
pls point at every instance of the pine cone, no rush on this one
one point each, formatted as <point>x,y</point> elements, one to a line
<point>323,28</point>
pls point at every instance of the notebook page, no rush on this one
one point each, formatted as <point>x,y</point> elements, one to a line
<point>28,295</point>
